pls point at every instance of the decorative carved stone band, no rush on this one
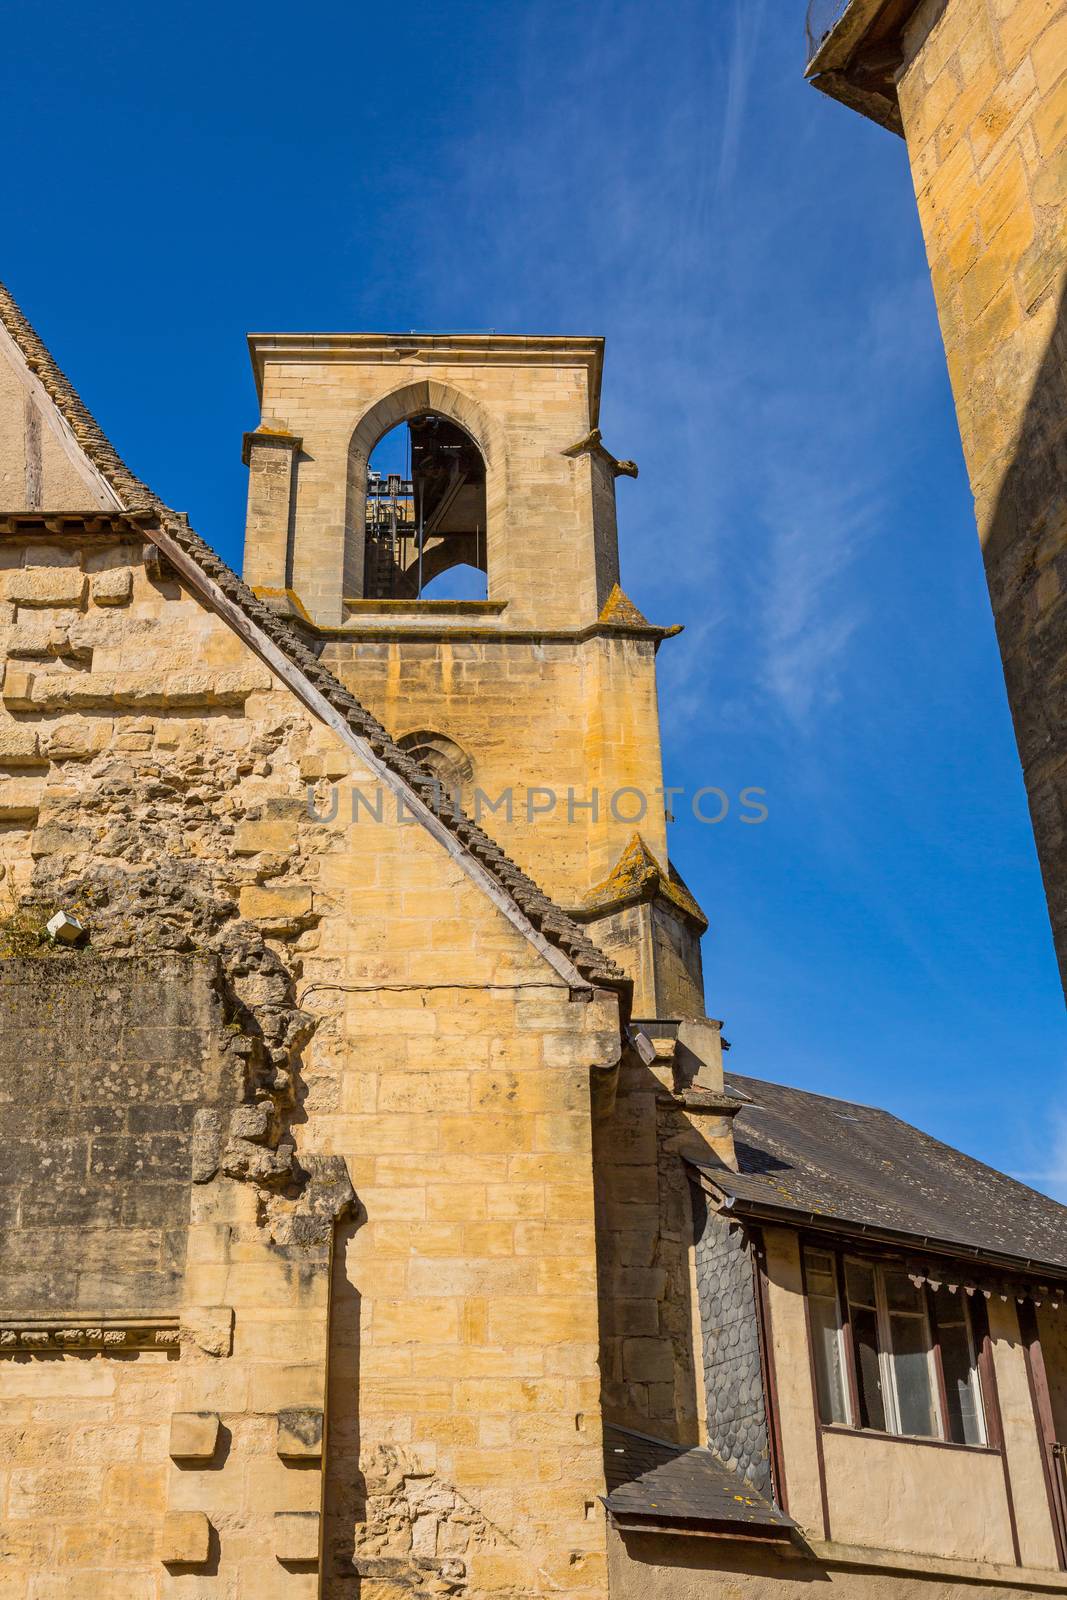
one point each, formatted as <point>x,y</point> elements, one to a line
<point>52,1338</point>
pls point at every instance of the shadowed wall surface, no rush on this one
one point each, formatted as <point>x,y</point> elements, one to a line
<point>104,1065</point>
<point>983,96</point>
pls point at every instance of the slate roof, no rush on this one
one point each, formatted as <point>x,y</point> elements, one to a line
<point>810,1157</point>
<point>652,1483</point>
<point>552,922</point>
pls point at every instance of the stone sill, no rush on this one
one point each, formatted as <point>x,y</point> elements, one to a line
<point>1029,1579</point>
<point>419,610</point>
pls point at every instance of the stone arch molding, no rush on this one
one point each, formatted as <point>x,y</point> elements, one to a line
<point>447,760</point>
<point>411,400</point>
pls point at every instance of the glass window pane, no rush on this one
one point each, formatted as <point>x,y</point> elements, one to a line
<point>868,1372</point>
<point>949,1307</point>
<point>859,1280</point>
<point>829,1362</point>
<point>911,1368</point>
<point>819,1273</point>
<point>900,1293</point>
<point>961,1386</point>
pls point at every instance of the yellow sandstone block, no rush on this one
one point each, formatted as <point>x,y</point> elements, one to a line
<point>288,900</point>
<point>46,586</point>
<point>541,1319</point>
<point>194,1435</point>
<point>186,1539</point>
<point>1001,196</point>
<point>1049,54</point>
<point>422,1320</point>
<point>299,1433</point>
<point>276,834</point>
<point>1050,119</point>
<point>296,1536</point>
<point>113,587</point>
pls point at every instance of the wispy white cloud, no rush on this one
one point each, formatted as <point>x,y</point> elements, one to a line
<point>760,446</point>
<point>746,24</point>
<point>1052,1177</point>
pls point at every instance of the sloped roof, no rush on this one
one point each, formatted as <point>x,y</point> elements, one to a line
<point>652,1483</point>
<point>812,1158</point>
<point>195,560</point>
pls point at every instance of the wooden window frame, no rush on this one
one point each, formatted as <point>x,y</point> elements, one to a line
<point>981,1366</point>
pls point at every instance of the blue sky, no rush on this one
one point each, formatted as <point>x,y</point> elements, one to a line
<point>661,175</point>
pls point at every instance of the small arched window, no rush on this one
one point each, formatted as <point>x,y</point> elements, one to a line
<point>425,514</point>
<point>449,762</point>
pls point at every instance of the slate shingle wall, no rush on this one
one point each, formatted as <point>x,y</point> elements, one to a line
<point>736,1406</point>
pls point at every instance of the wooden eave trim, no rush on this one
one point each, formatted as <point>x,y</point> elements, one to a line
<point>810,1221</point>
<point>74,525</point>
<point>700,1528</point>
<point>845,37</point>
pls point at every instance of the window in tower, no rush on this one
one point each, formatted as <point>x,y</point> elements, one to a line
<point>425,514</point>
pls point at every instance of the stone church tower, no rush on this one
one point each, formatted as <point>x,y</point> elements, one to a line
<point>978,89</point>
<point>538,703</point>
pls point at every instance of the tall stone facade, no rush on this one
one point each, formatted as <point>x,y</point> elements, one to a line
<point>297,1277</point>
<point>979,90</point>
<point>369,1217</point>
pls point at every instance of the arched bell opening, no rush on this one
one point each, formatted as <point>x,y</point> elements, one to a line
<point>425,519</point>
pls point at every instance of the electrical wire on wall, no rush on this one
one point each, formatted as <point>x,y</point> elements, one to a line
<point>409,988</point>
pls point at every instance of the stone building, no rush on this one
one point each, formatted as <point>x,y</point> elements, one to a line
<point>375,1222</point>
<point>978,89</point>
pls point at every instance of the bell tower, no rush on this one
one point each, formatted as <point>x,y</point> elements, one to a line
<point>537,703</point>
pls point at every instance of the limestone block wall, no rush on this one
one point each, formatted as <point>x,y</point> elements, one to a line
<point>41,468</point>
<point>651,1334</point>
<point>524,402</point>
<point>414,1409</point>
<point>983,96</point>
<point>562,716</point>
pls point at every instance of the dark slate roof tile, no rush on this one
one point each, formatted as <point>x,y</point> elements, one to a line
<point>650,1480</point>
<point>838,1161</point>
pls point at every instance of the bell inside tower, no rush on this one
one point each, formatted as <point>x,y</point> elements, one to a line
<point>425,511</point>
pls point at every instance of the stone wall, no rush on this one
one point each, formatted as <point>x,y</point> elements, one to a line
<point>563,715</point>
<point>105,1066</point>
<point>403,1036</point>
<point>554,730</point>
<point>524,402</point>
<point>40,466</point>
<point>983,95</point>
<point>651,1339</point>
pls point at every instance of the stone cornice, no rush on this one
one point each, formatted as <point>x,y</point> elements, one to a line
<point>586,350</point>
<point>31,1336</point>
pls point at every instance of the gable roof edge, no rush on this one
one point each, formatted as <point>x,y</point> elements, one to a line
<point>559,941</point>
<point>316,702</point>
